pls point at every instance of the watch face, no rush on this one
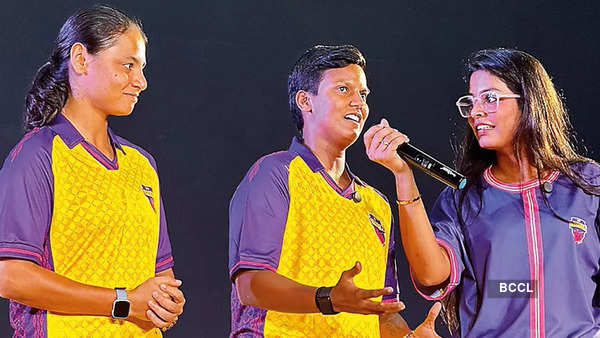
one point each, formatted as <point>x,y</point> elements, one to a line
<point>120,309</point>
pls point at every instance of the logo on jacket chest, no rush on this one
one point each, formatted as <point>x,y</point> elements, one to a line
<point>378,228</point>
<point>578,229</point>
<point>147,190</point>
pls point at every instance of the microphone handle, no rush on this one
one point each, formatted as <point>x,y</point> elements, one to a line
<point>431,166</point>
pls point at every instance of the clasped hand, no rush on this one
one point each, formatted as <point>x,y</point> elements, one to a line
<point>158,300</point>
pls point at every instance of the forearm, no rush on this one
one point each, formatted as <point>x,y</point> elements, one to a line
<point>32,285</point>
<point>392,325</point>
<point>272,291</point>
<point>428,261</point>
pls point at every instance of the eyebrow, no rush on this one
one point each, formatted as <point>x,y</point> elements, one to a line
<point>486,90</point>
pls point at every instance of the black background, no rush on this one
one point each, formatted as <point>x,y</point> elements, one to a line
<point>217,98</point>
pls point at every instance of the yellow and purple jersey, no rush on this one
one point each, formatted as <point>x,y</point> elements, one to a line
<point>527,263</point>
<point>288,216</point>
<point>68,208</point>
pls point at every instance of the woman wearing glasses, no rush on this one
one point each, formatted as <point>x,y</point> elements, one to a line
<point>515,252</point>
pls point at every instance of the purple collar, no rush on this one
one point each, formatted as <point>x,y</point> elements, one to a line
<point>67,132</point>
<point>313,162</point>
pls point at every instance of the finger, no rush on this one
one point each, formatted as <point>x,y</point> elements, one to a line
<point>398,140</point>
<point>367,294</point>
<point>167,303</point>
<point>376,142</point>
<point>174,282</point>
<point>168,280</point>
<point>368,136</point>
<point>432,315</point>
<point>355,270</point>
<point>174,292</point>
<point>372,307</point>
<point>156,320</point>
<point>161,312</point>
<point>393,143</point>
<point>386,141</point>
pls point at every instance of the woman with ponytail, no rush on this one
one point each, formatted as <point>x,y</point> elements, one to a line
<point>84,248</point>
<point>515,253</point>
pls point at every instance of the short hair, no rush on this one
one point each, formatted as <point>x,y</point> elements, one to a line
<point>308,72</point>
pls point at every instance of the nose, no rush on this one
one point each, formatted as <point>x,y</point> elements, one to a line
<point>477,110</point>
<point>357,100</point>
<point>139,81</point>
<point>360,103</point>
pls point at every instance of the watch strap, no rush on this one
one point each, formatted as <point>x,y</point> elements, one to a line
<point>121,294</point>
<point>323,300</point>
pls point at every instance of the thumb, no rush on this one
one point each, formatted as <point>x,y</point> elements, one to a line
<point>432,315</point>
<point>355,270</point>
<point>384,123</point>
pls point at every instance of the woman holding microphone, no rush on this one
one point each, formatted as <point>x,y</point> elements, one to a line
<point>502,252</point>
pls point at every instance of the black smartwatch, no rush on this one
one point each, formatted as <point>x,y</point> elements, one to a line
<point>323,301</point>
<point>121,306</point>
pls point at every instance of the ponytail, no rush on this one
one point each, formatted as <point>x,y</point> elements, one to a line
<point>97,28</point>
<point>47,96</point>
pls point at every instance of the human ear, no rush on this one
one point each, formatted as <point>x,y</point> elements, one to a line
<point>303,101</point>
<point>79,58</point>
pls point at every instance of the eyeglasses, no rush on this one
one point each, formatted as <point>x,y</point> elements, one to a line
<point>488,102</point>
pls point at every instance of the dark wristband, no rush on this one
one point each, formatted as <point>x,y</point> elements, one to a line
<point>323,301</point>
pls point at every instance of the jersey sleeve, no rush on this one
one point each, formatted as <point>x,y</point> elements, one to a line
<point>391,272</point>
<point>444,220</point>
<point>164,256</point>
<point>257,216</point>
<point>26,197</point>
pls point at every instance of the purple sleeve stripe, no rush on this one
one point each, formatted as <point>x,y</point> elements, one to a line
<point>19,146</point>
<point>37,256</point>
<point>252,264</point>
<point>164,262</point>
<point>395,298</point>
<point>439,294</point>
<point>453,263</point>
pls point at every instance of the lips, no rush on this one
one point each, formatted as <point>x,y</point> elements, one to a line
<point>133,96</point>
<point>483,127</point>
<point>354,117</point>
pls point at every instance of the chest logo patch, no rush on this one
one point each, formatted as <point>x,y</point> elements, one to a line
<point>147,190</point>
<point>578,229</point>
<point>378,228</point>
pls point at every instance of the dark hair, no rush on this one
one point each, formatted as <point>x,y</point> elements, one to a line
<point>308,70</point>
<point>544,134</point>
<point>97,28</point>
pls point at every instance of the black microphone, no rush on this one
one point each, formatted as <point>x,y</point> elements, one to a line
<point>431,166</point>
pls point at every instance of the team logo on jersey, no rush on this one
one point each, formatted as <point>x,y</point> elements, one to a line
<point>379,230</point>
<point>148,193</point>
<point>578,229</point>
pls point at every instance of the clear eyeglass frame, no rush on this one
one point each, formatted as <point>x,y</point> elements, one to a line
<point>489,102</point>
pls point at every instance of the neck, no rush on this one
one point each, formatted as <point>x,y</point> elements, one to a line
<point>510,170</point>
<point>331,156</point>
<point>89,122</point>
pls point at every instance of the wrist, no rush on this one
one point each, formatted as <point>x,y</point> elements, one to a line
<point>136,310</point>
<point>403,176</point>
<point>323,301</point>
<point>121,306</point>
